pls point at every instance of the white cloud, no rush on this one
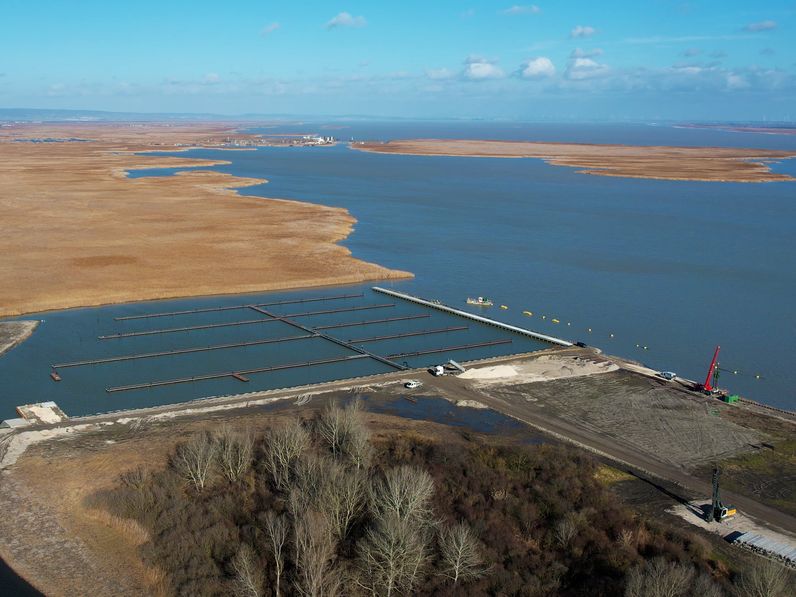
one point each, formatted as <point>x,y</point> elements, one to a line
<point>761,26</point>
<point>211,78</point>
<point>538,68</point>
<point>439,74</point>
<point>479,69</point>
<point>582,31</point>
<point>530,9</point>
<point>736,82</point>
<point>346,19</point>
<point>580,53</point>
<point>580,69</point>
<point>269,29</point>
<point>691,52</point>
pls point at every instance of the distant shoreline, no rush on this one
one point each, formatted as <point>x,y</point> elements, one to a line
<point>705,164</point>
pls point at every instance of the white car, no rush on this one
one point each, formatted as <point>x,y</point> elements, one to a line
<point>668,375</point>
<point>412,384</point>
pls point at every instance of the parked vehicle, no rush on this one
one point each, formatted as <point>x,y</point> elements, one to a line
<point>412,384</point>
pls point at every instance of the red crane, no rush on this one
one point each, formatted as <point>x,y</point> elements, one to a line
<point>708,386</point>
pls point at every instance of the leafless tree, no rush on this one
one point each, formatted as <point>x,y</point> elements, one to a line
<point>358,447</point>
<point>344,498</point>
<point>248,575</point>
<point>392,555</point>
<point>194,459</point>
<point>276,529</point>
<point>315,552</point>
<point>345,434</point>
<point>659,578</point>
<point>234,452</point>
<point>461,558</point>
<point>404,492</point>
<point>331,428</point>
<point>764,579</point>
<point>566,529</point>
<point>283,446</point>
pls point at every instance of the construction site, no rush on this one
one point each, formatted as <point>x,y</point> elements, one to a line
<point>725,466</point>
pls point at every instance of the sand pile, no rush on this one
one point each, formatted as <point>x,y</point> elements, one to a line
<point>545,368</point>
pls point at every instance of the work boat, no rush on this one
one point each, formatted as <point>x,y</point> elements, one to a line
<point>480,301</point>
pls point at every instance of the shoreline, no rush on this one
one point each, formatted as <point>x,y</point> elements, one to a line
<point>654,162</point>
<point>153,238</point>
<point>9,338</point>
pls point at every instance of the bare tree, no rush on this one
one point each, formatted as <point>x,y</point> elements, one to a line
<point>331,428</point>
<point>659,578</point>
<point>461,558</point>
<point>391,556</point>
<point>248,575</point>
<point>283,446</point>
<point>343,498</point>
<point>194,459</point>
<point>764,579</point>
<point>345,434</point>
<point>404,492</point>
<point>234,452</point>
<point>315,552</point>
<point>359,449</point>
<point>566,529</point>
<point>276,529</point>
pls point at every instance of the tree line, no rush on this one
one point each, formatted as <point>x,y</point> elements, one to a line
<point>322,507</point>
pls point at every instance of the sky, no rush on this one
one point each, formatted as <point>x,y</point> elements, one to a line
<point>488,59</point>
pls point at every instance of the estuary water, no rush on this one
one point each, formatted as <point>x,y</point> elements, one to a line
<point>657,271</point>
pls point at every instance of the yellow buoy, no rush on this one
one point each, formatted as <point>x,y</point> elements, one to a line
<point>528,313</point>
<point>554,320</point>
<point>503,307</point>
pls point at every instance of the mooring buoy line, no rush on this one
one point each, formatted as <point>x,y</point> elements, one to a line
<point>149,355</point>
<point>208,326</point>
<point>233,307</point>
<point>448,349</point>
<point>235,374</point>
<point>408,334</point>
<point>349,324</point>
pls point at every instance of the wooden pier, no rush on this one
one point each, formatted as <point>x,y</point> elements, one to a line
<point>209,326</point>
<point>409,334</point>
<point>233,307</point>
<point>234,374</point>
<point>418,353</point>
<point>349,324</point>
<point>151,355</point>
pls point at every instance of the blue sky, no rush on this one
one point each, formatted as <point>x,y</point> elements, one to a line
<point>557,60</point>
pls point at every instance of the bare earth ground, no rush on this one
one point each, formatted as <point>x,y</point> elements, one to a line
<point>717,164</point>
<point>75,231</point>
<point>15,332</point>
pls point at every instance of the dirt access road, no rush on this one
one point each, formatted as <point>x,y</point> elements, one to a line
<point>613,448</point>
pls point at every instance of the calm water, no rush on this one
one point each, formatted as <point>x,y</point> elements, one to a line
<point>73,335</point>
<point>677,267</point>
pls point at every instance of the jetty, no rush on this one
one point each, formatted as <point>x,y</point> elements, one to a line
<point>499,324</point>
